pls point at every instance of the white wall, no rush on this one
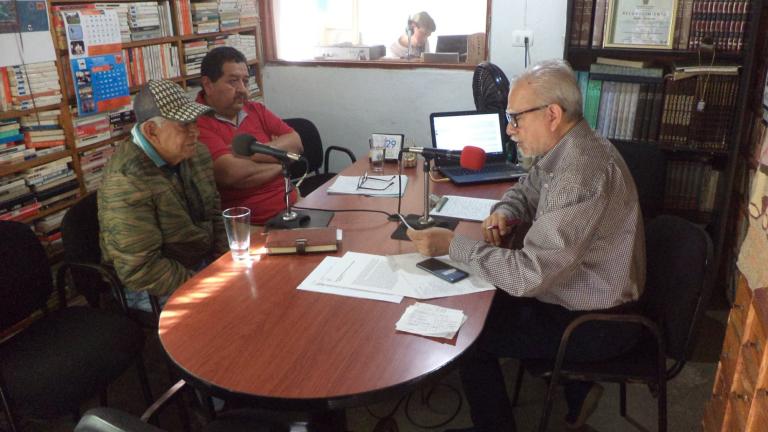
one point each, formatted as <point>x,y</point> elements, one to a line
<point>348,104</point>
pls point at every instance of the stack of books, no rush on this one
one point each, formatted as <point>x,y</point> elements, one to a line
<point>92,164</point>
<point>122,15</point>
<point>144,21</point>
<point>205,17</point>
<point>48,231</point>
<point>13,191</point>
<point>121,121</point>
<point>244,43</point>
<point>249,13</point>
<point>17,200</point>
<point>10,135</point>
<point>91,129</point>
<point>12,148</point>
<point>44,121</point>
<point>193,55</point>
<point>29,86</point>
<point>229,14</point>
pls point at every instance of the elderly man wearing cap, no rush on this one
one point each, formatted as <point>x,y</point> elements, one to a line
<point>159,209</point>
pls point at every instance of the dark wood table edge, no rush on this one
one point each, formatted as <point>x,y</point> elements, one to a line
<point>324,404</point>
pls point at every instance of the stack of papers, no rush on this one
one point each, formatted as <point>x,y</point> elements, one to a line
<point>381,186</point>
<point>431,321</point>
<point>463,208</point>
<point>386,278</point>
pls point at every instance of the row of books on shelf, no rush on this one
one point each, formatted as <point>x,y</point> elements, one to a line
<point>151,62</point>
<point>617,105</point>
<point>30,136</point>
<point>138,20</point>
<point>699,112</point>
<point>28,86</point>
<point>194,51</point>
<point>199,17</point>
<point>690,108</point>
<point>48,231</point>
<point>24,194</point>
<point>691,185</point>
<point>722,23</point>
<point>93,129</point>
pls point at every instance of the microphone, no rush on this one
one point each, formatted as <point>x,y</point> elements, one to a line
<point>470,157</point>
<point>246,145</point>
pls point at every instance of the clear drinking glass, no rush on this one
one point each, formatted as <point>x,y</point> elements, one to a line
<point>376,154</point>
<point>237,223</point>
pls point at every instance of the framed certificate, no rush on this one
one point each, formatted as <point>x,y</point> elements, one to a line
<point>392,143</point>
<point>640,24</point>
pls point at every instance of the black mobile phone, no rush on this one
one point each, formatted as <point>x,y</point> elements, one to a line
<point>442,270</point>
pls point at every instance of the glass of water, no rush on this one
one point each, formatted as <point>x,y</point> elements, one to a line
<point>237,223</point>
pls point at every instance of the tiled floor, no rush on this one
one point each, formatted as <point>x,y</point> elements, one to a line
<point>686,397</point>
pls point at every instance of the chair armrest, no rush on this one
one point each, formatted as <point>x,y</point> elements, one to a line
<point>630,318</point>
<point>337,148</point>
<point>107,273</point>
<point>103,419</point>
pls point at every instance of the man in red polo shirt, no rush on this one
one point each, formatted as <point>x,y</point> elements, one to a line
<point>255,182</point>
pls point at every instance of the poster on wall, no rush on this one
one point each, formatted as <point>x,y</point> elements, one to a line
<point>24,32</point>
<point>98,66</point>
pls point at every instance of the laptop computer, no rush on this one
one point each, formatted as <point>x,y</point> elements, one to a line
<point>455,130</point>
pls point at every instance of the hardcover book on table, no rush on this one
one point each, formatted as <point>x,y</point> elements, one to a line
<point>301,240</point>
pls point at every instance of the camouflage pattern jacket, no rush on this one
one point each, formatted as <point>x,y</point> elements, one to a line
<point>159,224</point>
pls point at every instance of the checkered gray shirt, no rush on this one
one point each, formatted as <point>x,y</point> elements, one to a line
<point>585,249</point>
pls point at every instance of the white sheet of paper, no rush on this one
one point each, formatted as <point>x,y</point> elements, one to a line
<point>397,275</point>
<point>347,185</point>
<point>431,320</point>
<point>312,283</point>
<point>465,208</point>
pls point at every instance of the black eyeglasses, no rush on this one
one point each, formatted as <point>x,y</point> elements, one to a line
<point>389,181</point>
<point>514,117</point>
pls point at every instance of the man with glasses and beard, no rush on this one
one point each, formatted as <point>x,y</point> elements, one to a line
<point>584,251</point>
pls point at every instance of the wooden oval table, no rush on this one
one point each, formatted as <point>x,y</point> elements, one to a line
<point>243,330</point>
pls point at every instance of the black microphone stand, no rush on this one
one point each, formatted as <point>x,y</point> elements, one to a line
<point>420,222</point>
<point>289,218</point>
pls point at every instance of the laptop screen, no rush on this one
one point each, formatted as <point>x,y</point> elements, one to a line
<point>456,130</point>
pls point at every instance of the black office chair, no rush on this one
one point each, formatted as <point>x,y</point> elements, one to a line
<point>648,166</point>
<point>678,283</point>
<point>82,253</point>
<point>69,354</point>
<point>313,152</point>
<point>112,420</point>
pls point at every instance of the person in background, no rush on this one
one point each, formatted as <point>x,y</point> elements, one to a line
<point>584,251</point>
<point>159,212</point>
<point>420,27</point>
<point>256,182</point>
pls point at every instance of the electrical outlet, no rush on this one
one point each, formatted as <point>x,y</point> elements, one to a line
<point>518,38</point>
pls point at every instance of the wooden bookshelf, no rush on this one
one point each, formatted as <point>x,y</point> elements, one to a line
<point>31,163</point>
<point>583,47</point>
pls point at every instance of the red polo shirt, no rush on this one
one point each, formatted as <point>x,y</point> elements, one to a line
<point>255,119</point>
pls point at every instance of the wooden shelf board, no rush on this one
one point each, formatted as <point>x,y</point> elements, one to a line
<point>102,143</point>
<point>31,163</point>
<point>216,34</point>
<point>11,114</point>
<point>51,210</point>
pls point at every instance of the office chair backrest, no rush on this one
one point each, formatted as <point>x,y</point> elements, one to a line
<point>25,276</point>
<point>679,280</point>
<point>80,231</point>
<point>313,146</point>
<point>80,236</point>
<point>648,166</point>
